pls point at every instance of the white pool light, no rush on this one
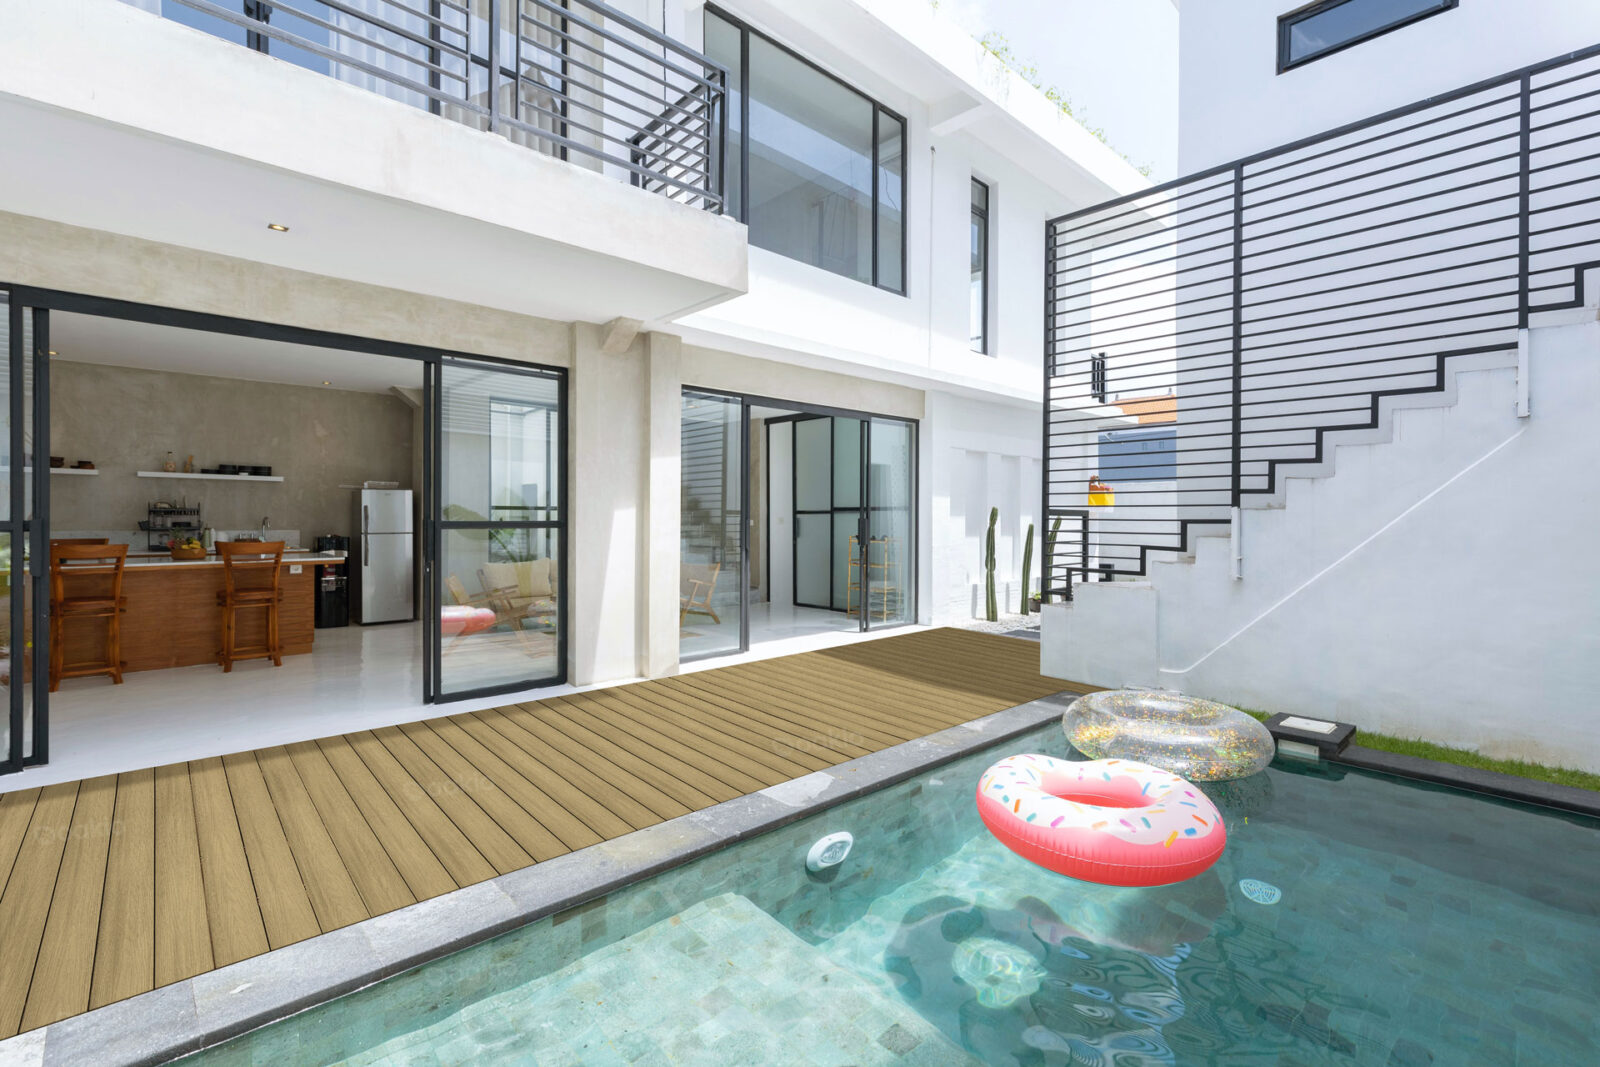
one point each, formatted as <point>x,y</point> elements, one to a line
<point>828,852</point>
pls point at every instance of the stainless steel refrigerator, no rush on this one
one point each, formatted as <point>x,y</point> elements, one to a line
<point>383,569</point>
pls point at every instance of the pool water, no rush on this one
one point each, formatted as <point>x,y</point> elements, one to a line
<point>1353,919</point>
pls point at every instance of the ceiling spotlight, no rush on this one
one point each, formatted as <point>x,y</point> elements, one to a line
<point>327,383</point>
<point>52,352</point>
<point>280,227</point>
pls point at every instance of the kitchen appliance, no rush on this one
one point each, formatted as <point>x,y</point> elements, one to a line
<point>381,564</point>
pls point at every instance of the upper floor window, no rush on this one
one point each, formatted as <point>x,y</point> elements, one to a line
<point>1327,26</point>
<point>979,314</point>
<point>814,168</point>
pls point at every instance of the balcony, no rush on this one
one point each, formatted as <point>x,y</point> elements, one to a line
<point>566,164</point>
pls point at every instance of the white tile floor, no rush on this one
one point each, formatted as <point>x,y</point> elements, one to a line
<point>358,678</point>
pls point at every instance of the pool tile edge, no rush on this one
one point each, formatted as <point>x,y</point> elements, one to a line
<point>208,1009</point>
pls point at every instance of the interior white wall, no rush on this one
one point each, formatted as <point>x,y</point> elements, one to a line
<point>1232,101</point>
<point>1440,584</point>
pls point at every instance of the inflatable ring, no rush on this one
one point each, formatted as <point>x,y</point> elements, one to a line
<point>1199,739</point>
<point>1115,822</point>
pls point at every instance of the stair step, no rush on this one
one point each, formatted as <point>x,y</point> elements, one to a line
<point>721,982</point>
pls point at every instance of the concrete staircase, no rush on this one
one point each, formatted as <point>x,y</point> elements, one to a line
<point>1415,560</point>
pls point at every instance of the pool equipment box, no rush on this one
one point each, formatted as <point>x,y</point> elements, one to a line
<point>1327,738</point>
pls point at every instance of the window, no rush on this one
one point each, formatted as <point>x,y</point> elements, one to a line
<point>978,316</point>
<point>1323,28</point>
<point>1139,456</point>
<point>814,168</point>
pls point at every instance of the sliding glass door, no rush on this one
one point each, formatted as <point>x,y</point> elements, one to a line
<point>889,466</point>
<point>498,530</point>
<point>711,551</point>
<point>24,506</point>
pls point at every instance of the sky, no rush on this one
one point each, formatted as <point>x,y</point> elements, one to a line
<point>1116,60</point>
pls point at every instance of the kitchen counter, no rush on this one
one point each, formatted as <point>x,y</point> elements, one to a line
<point>162,559</point>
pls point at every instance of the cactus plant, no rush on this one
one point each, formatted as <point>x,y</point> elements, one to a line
<point>1049,554</point>
<point>1027,569</point>
<point>991,607</point>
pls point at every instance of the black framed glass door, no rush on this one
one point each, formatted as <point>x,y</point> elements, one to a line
<point>889,487</point>
<point>497,527</point>
<point>24,511</point>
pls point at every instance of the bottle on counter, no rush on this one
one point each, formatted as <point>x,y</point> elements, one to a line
<point>208,538</point>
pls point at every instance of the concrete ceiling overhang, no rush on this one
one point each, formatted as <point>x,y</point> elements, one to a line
<point>120,121</point>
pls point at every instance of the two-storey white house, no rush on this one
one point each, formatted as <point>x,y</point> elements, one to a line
<point>1368,312</point>
<point>690,330</point>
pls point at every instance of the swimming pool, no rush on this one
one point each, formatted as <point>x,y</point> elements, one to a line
<point>1354,919</point>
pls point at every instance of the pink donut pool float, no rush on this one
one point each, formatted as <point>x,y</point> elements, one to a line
<point>1110,821</point>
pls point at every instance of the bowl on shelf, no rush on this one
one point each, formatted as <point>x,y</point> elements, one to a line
<point>58,461</point>
<point>82,465</point>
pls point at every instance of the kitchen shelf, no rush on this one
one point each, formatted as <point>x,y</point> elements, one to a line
<point>210,477</point>
<point>60,470</point>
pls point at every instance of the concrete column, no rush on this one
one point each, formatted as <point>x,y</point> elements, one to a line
<point>664,502</point>
<point>609,442</point>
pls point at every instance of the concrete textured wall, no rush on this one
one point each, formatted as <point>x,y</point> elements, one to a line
<point>125,420</point>
<point>1439,584</point>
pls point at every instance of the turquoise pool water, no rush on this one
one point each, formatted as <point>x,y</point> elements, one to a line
<point>1354,919</point>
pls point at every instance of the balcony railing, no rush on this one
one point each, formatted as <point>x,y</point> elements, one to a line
<point>1243,313</point>
<point>574,79</point>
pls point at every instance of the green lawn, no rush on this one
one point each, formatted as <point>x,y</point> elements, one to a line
<point>1405,746</point>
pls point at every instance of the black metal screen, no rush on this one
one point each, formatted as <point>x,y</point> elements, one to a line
<point>1251,308</point>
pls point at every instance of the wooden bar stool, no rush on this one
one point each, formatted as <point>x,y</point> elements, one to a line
<point>249,580</point>
<point>94,572</point>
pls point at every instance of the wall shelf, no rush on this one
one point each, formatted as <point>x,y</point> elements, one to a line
<point>208,477</point>
<point>73,470</point>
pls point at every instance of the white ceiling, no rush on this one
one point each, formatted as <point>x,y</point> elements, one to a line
<point>119,343</point>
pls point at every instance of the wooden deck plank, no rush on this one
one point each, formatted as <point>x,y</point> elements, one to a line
<point>416,861</point>
<point>376,878</point>
<point>183,935</point>
<point>125,958</point>
<point>332,891</point>
<point>233,911</point>
<point>682,781</point>
<point>482,782</point>
<point>65,971</point>
<point>576,785</point>
<point>454,850</point>
<point>25,905</point>
<point>111,887</point>
<point>598,779</point>
<point>286,909</point>
<point>490,839</point>
<point>575,817</point>
<point>16,809</point>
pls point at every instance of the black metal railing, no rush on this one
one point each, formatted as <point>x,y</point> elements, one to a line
<point>572,78</point>
<point>1238,315</point>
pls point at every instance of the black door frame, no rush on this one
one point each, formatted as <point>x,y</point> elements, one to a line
<point>803,410</point>
<point>40,302</point>
<point>26,524</point>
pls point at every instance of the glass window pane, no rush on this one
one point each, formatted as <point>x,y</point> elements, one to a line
<point>978,287</point>
<point>812,465</point>
<point>501,455</point>
<point>710,552</point>
<point>890,530</point>
<point>11,665</point>
<point>722,45</point>
<point>846,463</point>
<point>810,195</point>
<point>499,620</point>
<point>891,202</point>
<point>1354,18</point>
<point>6,463</point>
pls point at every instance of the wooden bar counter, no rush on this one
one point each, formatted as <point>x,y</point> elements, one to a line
<point>173,618</point>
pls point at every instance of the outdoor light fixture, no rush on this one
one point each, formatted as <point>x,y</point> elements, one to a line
<point>280,227</point>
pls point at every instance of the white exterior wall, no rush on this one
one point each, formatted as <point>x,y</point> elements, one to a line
<point>1440,584</point>
<point>1233,103</point>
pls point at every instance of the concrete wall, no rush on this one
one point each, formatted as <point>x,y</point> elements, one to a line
<point>1232,101</point>
<point>1441,584</point>
<point>126,420</point>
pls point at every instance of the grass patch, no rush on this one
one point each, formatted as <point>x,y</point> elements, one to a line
<point>1461,757</point>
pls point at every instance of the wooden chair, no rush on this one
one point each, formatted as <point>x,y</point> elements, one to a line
<point>78,564</point>
<point>697,582</point>
<point>250,579</point>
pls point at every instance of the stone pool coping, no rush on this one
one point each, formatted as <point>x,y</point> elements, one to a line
<point>213,1007</point>
<point>1472,779</point>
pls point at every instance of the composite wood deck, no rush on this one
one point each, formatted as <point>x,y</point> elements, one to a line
<point>113,886</point>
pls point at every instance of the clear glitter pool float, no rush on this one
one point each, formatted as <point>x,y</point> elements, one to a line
<point>1112,821</point>
<point>1199,739</point>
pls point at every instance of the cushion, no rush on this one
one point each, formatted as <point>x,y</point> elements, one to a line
<point>530,578</point>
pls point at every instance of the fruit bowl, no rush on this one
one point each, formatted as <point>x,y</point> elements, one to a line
<point>194,551</point>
